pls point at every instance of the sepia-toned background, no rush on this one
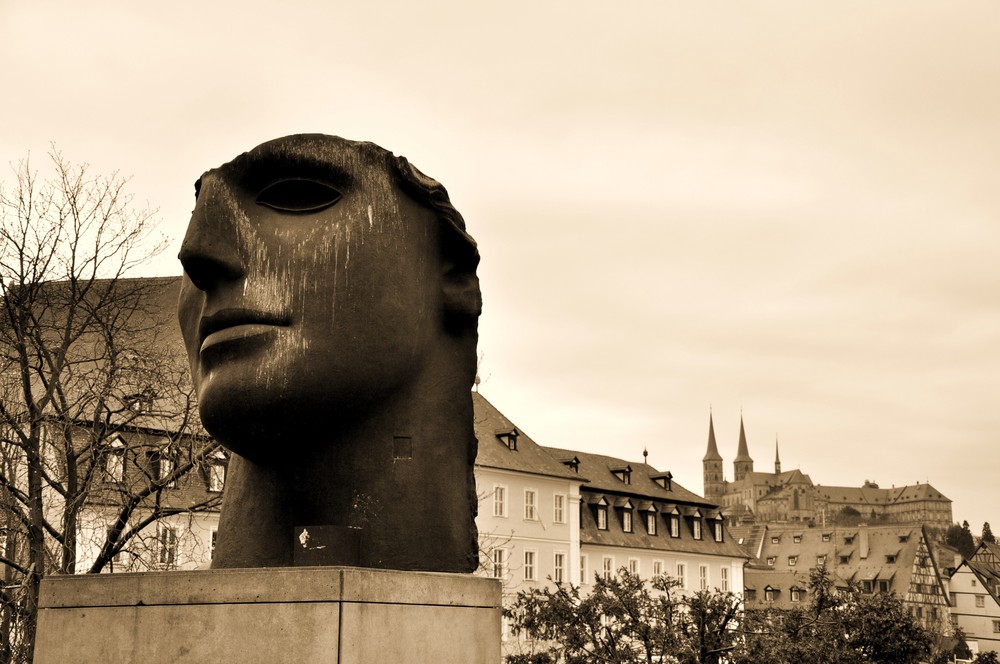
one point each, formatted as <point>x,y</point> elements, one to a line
<point>786,208</point>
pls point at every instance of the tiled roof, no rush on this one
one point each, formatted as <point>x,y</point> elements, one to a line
<point>528,457</point>
<point>870,495</point>
<point>887,558</point>
<point>598,469</point>
<point>643,493</point>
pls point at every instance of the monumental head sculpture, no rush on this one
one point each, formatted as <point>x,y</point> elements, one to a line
<point>329,309</point>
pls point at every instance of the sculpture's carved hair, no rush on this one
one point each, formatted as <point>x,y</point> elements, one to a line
<point>463,299</point>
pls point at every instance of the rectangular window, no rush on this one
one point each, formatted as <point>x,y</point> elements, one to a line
<point>530,514</point>
<point>821,559</point>
<point>499,557</point>
<point>770,561</point>
<point>558,567</point>
<point>826,537</point>
<point>627,521</point>
<point>499,500</point>
<point>792,560</point>
<point>796,539</point>
<point>980,601</point>
<point>696,528</point>
<point>602,517</point>
<point>529,565</point>
<point>768,595</point>
<point>558,508</point>
<point>583,570</point>
<point>796,595</point>
<point>702,577</point>
<point>724,579</point>
<point>718,531</point>
<point>166,545</point>
<point>675,526</point>
<point>996,626</point>
<point>608,567</point>
<point>657,567</point>
<point>651,523</point>
<point>682,575</point>
<point>633,566</point>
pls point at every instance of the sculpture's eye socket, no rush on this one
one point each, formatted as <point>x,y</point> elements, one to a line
<point>298,195</point>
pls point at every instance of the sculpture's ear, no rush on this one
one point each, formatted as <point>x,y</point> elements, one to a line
<point>462,299</point>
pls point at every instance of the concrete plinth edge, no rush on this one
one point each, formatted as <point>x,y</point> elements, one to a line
<point>342,615</point>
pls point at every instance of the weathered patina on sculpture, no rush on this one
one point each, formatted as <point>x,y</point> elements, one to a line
<point>329,308</point>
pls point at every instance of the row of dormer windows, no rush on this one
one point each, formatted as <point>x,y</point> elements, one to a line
<point>696,524</point>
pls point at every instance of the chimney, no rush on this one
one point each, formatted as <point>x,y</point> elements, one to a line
<point>863,541</point>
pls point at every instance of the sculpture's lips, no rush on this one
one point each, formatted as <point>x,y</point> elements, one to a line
<point>236,324</point>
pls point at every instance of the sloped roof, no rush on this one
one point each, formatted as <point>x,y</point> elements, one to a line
<point>882,542</point>
<point>529,457</point>
<point>598,469</point>
<point>870,495</point>
<point>643,492</point>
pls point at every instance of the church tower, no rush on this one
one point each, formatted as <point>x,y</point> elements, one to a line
<point>742,464</point>
<point>712,467</point>
<point>777,459</point>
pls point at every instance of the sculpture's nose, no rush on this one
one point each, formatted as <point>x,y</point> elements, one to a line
<point>209,251</point>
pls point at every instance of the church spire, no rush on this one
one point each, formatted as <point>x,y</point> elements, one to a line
<point>711,465</point>
<point>742,464</point>
<point>777,459</point>
<point>713,451</point>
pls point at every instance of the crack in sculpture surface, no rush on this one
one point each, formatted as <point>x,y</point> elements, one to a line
<point>329,309</point>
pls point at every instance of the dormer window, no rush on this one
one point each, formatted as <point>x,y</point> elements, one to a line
<point>623,474</point>
<point>216,471</point>
<point>651,522</point>
<point>775,540</point>
<point>141,402</point>
<point>696,527</point>
<point>627,520</point>
<point>573,463</point>
<point>665,480</point>
<point>797,539</point>
<point>602,517</point>
<point>717,529</point>
<point>508,438</point>
<point>675,524</point>
<point>849,539</point>
<point>826,537</point>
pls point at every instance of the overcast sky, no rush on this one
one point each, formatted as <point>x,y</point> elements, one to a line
<point>788,208</point>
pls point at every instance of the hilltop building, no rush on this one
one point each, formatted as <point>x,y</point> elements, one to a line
<point>791,496</point>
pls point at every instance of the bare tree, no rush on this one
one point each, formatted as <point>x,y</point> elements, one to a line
<point>97,427</point>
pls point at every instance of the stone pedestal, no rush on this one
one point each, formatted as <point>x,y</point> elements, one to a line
<point>344,615</point>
